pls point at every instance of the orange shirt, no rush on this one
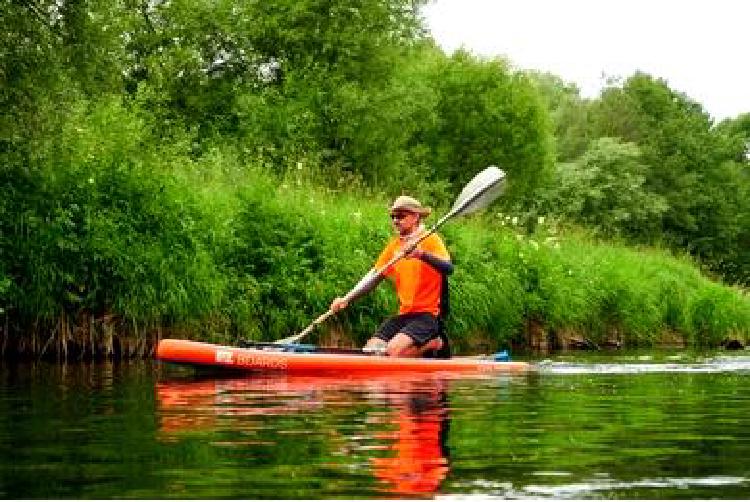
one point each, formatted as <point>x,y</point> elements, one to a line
<point>418,285</point>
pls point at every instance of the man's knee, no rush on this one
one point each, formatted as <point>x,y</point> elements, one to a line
<point>402,345</point>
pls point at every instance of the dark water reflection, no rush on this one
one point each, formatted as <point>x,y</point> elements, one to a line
<point>369,435</point>
<point>572,430</point>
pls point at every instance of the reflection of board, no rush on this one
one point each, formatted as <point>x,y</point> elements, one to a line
<point>269,358</point>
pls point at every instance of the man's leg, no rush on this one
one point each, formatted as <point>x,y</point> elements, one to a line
<point>378,343</point>
<point>375,345</point>
<point>402,345</point>
<point>406,336</point>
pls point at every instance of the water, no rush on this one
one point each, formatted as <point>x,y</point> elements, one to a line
<point>637,427</point>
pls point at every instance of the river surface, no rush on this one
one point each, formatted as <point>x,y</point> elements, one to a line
<point>625,427</point>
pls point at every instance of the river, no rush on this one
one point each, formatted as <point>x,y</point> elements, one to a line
<point>625,427</point>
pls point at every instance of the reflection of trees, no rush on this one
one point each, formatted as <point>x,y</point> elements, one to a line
<point>302,437</point>
<point>577,427</point>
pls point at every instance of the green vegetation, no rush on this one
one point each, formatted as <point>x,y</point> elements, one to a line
<point>221,171</point>
<point>682,181</point>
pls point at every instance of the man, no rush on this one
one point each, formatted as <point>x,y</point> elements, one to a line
<point>421,285</point>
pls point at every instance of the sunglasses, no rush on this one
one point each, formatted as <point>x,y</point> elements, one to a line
<point>399,216</point>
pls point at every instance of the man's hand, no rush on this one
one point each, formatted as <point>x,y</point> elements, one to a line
<point>415,253</point>
<point>412,251</point>
<point>338,304</point>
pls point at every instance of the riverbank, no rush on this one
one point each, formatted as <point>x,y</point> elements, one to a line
<point>247,255</point>
<point>221,173</point>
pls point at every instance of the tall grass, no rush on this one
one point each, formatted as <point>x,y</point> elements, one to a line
<point>504,278</point>
<point>110,240</point>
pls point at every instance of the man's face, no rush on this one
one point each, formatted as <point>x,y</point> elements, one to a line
<point>404,221</point>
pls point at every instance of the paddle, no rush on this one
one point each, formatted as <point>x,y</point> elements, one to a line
<point>477,194</point>
<point>303,348</point>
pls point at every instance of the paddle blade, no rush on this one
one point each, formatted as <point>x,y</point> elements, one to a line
<point>479,193</point>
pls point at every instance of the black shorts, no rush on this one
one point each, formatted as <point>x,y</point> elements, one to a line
<point>421,327</point>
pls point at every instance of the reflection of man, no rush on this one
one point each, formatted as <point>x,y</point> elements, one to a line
<point>420,460</point>
<point>417,461</point>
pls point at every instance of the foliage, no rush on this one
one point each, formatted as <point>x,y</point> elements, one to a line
<point>688,163</point>
<point>488,115</point>
<point>604,189</point>
<point>103,225</point>
<point>736,134</point>
<point>568,112</point>
<point>221,168</point>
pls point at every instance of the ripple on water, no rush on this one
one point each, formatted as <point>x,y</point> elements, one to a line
<point>719,364</point>
<point>593,487</point>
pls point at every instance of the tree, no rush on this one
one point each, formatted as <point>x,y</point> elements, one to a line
<point>736,133</point>
<point>604,189</point>
<point>487,115</point>
<point>689,163</point>
<point>278,74</point>
<point>569,113</point>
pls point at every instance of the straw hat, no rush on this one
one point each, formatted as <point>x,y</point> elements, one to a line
<point>406,203</point>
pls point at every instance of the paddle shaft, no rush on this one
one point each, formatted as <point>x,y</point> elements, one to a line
<point>323,317</point>
<point>479,192</point>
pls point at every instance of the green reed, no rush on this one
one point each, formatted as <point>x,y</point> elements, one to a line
<point>110,241</point>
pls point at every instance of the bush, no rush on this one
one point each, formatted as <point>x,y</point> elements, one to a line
<point>104,225</point>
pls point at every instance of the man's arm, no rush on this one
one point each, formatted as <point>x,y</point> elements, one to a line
<point>369,282</point>
<point>445,267</point>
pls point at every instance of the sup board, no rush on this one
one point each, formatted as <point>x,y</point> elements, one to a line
<point>273,358</point>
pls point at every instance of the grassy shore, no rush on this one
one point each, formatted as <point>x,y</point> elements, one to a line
<point>111,255</point>
<point>545,289</point>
